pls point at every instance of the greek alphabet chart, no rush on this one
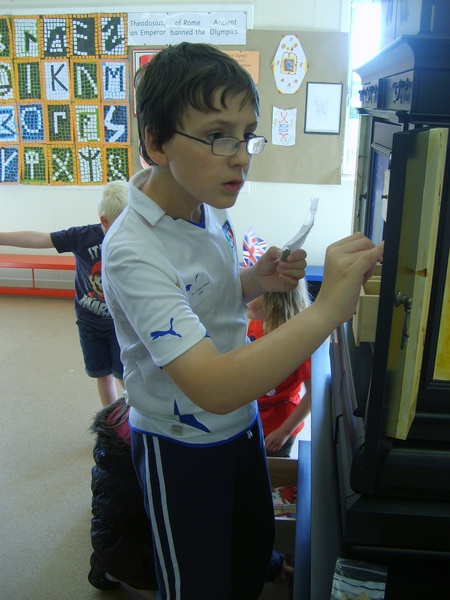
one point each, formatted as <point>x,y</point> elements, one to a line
<point>64,99</point>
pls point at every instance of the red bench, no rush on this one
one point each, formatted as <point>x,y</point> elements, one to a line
<point>37,262</point>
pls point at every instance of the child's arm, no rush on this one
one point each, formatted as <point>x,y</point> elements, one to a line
<point>278,437</point>
<point>26,239</point>
<point>220,383</point>
<point>271,275</point>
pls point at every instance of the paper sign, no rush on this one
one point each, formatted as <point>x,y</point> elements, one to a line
<point>164,28</point>
<point>147,29</point>
<point>228,28</point>
<point>248,59</point>
<point>183,27</point>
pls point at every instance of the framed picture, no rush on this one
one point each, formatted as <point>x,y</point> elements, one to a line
<point>141,56</point>
<point>323,108</point>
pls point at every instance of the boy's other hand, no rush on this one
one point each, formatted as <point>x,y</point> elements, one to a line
<point>280,276</point>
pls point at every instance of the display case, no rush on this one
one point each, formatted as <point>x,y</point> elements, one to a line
<point>391,392</point>
<point>408,17</point>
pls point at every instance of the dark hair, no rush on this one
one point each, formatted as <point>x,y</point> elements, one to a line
<point>183,76</point>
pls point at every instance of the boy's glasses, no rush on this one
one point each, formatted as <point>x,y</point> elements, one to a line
<point>229,146</point>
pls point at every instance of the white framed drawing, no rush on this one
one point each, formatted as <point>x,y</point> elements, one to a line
<point>323,108</point>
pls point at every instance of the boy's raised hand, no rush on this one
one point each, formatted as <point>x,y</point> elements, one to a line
<point>349,263</point>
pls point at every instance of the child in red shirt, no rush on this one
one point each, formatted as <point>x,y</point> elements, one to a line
<point>283,410</point>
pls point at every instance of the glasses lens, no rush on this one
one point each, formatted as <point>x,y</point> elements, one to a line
<point>226,146</point>
<point>256,144</point>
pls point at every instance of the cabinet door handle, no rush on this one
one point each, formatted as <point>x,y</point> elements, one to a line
<point>362,196</point>
<point>406,301</point>
<point>400,87</point>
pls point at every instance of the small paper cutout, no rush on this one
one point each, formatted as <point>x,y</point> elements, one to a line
<point>26,36</point>
<point>34,164</point>
<point>87,123</point>
<point>90,164</point>
<point>9,164</point>
<point>5,38</point>
<point>115,123</point>
<point>63,165</point>
<point>8,126</point>
<point>118,161</point>
<point>85,80</point>
<point>31,120</point>
<point>57,82</point>
<point>84,36</point>
<point>59,121</point>
<point>54,36</point>
<point>113,34</point>
<point>284,122</point>
<point>289,65</point>
<point>6,80</point>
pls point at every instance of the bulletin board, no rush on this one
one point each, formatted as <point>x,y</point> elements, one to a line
<point>314,159</point>
<point>64,99</point>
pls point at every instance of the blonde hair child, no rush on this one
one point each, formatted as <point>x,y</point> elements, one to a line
<point>282,410</point>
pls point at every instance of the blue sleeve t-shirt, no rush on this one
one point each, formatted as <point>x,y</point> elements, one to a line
<point>85,243</point>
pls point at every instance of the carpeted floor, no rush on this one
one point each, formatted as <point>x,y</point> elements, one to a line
<point>47,404</point>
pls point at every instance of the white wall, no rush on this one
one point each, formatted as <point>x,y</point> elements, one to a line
<point>274,210</point>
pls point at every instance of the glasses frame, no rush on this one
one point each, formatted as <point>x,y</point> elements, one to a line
<point>211,144</point>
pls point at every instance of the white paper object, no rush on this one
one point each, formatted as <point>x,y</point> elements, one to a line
<point>284,123</point>
<point>299,239</point>
<point>289,65</point>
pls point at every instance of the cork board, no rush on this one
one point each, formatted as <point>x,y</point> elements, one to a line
<point>315,158</point>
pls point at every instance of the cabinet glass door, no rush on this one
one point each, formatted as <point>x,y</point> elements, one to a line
<point>441,370</point>
<point>416,259</point>
<point>407,417</point>
<point>411,236</point>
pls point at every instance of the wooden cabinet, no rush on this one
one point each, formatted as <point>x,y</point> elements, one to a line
<point>391,394</point>
<point>410,233</point>
<point>402,197</point>
<point>379,488</point>
<point>364,322</point>
<point>409,17</point>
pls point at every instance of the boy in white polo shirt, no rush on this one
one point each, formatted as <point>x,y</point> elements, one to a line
<point>177,295</point>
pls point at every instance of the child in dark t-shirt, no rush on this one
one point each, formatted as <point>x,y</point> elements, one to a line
<point>98,340</point>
